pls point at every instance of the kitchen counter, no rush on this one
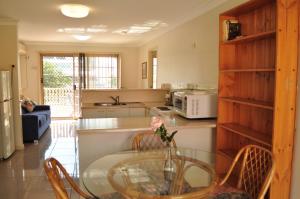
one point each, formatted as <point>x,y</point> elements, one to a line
<point>139,124</point>
<point>101,136</point>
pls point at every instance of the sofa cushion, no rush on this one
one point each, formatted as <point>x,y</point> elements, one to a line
<point>28,104</point>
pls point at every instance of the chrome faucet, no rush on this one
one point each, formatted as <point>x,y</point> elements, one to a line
<point>116,99</point>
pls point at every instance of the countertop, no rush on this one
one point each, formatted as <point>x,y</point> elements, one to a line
<point>176,122</point>
<point>127,105</point>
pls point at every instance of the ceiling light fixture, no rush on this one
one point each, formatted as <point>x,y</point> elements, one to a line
<point>75,10</point>
<point>82,37</point>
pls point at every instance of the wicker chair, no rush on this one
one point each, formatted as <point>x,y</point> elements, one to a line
<point>256,170</point>
<point>55,171</point>
<point>148,141</point>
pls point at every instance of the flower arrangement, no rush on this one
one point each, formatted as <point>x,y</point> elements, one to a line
<point>157,125</point>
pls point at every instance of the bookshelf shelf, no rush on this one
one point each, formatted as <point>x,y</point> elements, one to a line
<point>247,70</point>
<point>254,103</point>
<point>250,38</point>
<point>228,153</point>
<point>256,136</point>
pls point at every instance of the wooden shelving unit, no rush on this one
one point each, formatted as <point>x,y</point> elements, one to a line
<point>254,106</point>
<point>228,153</point>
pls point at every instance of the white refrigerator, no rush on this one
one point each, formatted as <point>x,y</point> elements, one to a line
<point>7,136</point>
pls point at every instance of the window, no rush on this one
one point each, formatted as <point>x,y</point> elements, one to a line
<point>103,71</point>
<point>155,65</point>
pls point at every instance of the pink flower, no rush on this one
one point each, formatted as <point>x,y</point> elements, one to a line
<point>156,122</point>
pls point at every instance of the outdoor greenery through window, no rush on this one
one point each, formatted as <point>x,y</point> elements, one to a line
<point>58,71</point>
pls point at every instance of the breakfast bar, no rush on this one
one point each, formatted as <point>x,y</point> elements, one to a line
<point>101,136</point>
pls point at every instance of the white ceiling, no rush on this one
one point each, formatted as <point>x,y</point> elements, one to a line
<point>39,20</point>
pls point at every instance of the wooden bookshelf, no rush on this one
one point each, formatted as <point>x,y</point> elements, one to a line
<point>254,105</point>
<point>228,153</point>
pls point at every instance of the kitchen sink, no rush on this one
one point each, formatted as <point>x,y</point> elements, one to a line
<point>109,104</point>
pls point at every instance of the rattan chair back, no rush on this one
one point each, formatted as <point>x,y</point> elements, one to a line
<point>148,141</point>
<point>57,174</point>
<point>257,168</point>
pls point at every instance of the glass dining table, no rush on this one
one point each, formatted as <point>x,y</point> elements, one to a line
<point>134,174</point>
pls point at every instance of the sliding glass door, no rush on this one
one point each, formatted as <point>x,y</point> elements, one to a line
<point>59,85</point>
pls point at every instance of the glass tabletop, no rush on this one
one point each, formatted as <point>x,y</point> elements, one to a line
<point>145,175</point>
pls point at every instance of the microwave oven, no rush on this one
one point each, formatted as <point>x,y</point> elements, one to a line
<point>196,104</point>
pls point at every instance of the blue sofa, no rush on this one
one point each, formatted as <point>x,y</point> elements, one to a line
<point>35,123</point>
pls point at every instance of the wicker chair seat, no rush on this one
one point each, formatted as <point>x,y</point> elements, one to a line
<point>228,192</point>
<point>232,195</point>
<point>114,195</point>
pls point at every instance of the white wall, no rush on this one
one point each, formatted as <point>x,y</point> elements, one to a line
<point>9,57</point>
<point>295,192</point>
<point>129,59</point>
<point>189,53</point>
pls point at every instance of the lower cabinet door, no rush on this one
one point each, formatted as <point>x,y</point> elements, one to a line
<point>118,112</point>
<point>93,113</point>
<point>137,112</point>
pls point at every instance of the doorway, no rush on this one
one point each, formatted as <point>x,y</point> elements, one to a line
<point>153,69</point>
<point>59,85</point>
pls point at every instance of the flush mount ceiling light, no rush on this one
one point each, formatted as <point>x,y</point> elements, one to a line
<point>82,37</point>
<point>75,10</point>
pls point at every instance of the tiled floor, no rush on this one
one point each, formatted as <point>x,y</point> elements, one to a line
<point>22,176</point>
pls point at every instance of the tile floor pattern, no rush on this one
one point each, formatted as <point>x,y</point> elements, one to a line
<point>22,176</point>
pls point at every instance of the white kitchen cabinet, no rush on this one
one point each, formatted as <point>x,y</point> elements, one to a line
<point>137,112</point>
<point>113,112</point>
<point>117,112</point>
<point>93,113</point>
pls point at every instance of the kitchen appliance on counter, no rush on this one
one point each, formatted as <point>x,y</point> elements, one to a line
<point>196,104</point>
<point>7,139</point>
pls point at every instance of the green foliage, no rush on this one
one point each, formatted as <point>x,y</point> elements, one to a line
<point>164,135</point>
<point>54,77</point>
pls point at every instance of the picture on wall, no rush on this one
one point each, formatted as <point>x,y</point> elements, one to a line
<point>144,70</point>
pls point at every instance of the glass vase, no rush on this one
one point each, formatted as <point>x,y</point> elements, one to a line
<point>169,167</point>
